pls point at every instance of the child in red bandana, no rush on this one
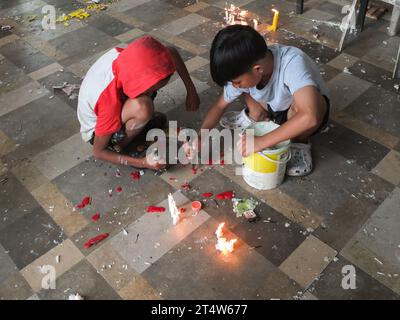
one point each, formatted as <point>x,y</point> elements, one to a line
<point>116,97</point>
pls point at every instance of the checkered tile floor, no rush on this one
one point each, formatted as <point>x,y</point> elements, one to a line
<point>345,213</point>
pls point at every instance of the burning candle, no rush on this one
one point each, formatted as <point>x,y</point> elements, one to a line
<point>226,15</point>
<point>222,244</point>
<point>196,206</point>
<point>173,209</point>
<point>275,20</point>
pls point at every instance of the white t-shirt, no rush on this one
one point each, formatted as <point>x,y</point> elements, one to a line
<point>293,70</point>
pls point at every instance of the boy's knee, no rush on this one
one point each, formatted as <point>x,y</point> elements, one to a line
<point>141,109</point>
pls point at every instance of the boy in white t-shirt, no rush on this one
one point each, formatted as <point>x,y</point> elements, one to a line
<point>278,83</point>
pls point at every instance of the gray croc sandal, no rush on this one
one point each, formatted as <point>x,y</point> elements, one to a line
<point>300,163</point>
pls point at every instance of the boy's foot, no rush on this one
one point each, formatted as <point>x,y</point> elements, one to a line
<point>236,120</point>
<point>300,163</point>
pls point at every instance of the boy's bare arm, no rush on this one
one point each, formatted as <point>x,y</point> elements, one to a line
<point>215,113</point>
<point>101,152</point>
<point>192,100</point>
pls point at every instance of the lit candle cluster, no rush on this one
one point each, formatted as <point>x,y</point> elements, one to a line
<point>235,15</point>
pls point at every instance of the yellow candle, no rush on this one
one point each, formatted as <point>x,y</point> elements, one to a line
<point>275,21</point>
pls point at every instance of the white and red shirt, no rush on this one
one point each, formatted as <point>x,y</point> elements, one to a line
<point>130,72</point>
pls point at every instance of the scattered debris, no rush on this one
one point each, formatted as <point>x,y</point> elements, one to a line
<point>137,238</point>
<point>76,296</point>
<point>397,87</point>
<point>6,28</point>
<point>68,89</point>
<point>287,225</point>
<point>95,240</point>
<point>245,207</point>
<point>118,189</point>
<point>186,186</point>
<point>96,216</point>
<point>173,209</point>
<point>135,175</point>
<point>124,232</point>
<point>377,260</point>
<point>58,259</point>
<point>346,70</point>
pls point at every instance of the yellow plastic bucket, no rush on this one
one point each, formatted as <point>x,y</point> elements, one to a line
<point>266,169</point>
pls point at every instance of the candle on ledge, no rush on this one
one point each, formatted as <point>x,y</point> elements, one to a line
<point>255,22</point>
<point>275,20</point>
<point>226,15</point>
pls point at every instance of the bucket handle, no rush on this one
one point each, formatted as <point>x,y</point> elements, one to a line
<point>286,160</point>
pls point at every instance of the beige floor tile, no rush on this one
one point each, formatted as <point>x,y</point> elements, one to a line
<point>130,35</point>
<point>308,261</point>
<point>6,144</point>
<point>29,175</point>
<point>59,208</point>
<point>342,61</point>
<point>68,254</point>
<point>196,63</point>
<point>389,168</point>
<point>112,266</point>
<point>139,289</point>
<point>199,5</point>
<point>44,72</point>
<point>184,24</point>
<point>15,288</point>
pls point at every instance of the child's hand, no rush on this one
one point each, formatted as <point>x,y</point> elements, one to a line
<point>245,148</point>
<point>150,163</point>
<point>192,100</point>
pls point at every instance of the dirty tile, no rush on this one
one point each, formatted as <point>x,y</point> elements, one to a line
<point>45,71</point>
<point>327,72</point>
<point>153,235</point>
<point>15,200</point>
<point>103,177</point>
<point>347,180</point>
<point>278,286</point>
<point>6,144</point>
<point>21,96</point>
<point>62,156</point>
<point>367,130</point>
<point>59,208</point>
<point>196,7</point>
<point>23,124</point>
<point>384,55</point>
<point>344,89</point>
<point>379,108</point>
<point>138,289</point>
<point>389,168</point>
<point>184,24</point>
<point>68,256</point>
<point>7,266</point>
<point>329,285</point>
<point>228,277</point>
<point>95,41</point>
<point>112,267</point>
<point>82,279</point>
<point>30,236</point>
<point>351,145</point>
<point>368,72</point>
<point>308,261</point>
<point>110,25</point>
<point>203,34</point>
<point>174,94</point>
<point>29,176</point>
<point>155,13</point>
<point>373,264</point>
<point>196,63</point>
<point>273,239</point>
<point>342,61</point>
<point>130,35</point>
<point>15,288</point>
<point>24,56</point>
<point>58,78</point>
<point>11,77</point>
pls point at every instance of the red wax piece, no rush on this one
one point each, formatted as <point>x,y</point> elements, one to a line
<point>95,240</point>
<point>182,210</point>
<point>84,203</point>
<point>225,195</point>
<point>207,194</point>
<point>118,189</point>
<point>186,186</point>
<point>151,209</point>
<point>135,175</point>
<point>96,216</point>
<point>194,170</point>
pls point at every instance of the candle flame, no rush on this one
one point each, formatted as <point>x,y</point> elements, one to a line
<point>222,244</point>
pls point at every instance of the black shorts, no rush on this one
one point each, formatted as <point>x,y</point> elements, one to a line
<point>117,136</point>
<point>280,117</point>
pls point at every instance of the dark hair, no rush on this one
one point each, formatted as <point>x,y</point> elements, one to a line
<point>234,52</point>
